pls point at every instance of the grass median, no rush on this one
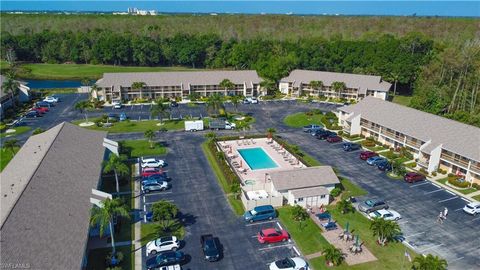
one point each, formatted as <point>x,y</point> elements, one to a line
<point>136,126</point>
<point>6,155</point>
<point>18,131</point>
<point>301,119</point>
<point>140,148</point>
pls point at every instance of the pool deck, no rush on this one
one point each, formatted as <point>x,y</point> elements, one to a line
<point>283,159</point>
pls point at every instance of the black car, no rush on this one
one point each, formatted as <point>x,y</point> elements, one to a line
<point>384,166</point>
<point>165,258</point>
<point>210,247</point>
<point>112,116</point>
<point>32,114</point>
<point>173,104</point>
<point>348,146</point>
<point>324,135</point>
<point>44,104</point>
<point>318,131</point>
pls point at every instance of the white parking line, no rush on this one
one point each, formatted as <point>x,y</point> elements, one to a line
<point>144,208</point>
<point>475,219</point>
<point>447,199</point>
<point>402,222</point>
<point>425,193</point>
<point>267,248</point>
<point>258,223</point>
<point>457,259</point>
<point>421,184</point>
<point>468,201</point>
<point>278,224</point>
<point>435,246</point>
<point>414,234</point>
<point>149,203</point>
<point>156,193</point>
<point>459,209</point>
<point>296,251</point>
<point>436,185</point>
<point>451,192</point>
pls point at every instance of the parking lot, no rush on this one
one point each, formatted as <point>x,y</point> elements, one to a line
<point>456,240</point>
<point>205,210</point>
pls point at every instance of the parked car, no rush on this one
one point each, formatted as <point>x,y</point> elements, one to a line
<point>295,263</point>
<point>259,213</point>
<point>250,100</point>
<point>44,104</point>
<point>210,247</point>
<point>155,186</point>
<point>163,244</point>
<point>149,216</point>
<point>371,205</point>
<point>152,163</point>
<point>147,172</point>
<point>32,114</point>
<point>412,177</point>
<point>385,166</point>
<point>325,134</point>
<point>40,109</point>
<point>153,180</point>
<point>386,214</point>
<point>472,208</point>
<point>112,117</point>
<point>272,235</point>
<point>157,177</point>
<point>311,128</point>
<point>171,267</point>
<point>123,117</point>
<point>364,155</point>
<point>375,160</point>
<point>334,138</point>
<point>50,99</point>
<point>348,146</point>
<point>164,259</point>
<point>317,131</point>
<point>117,105</point>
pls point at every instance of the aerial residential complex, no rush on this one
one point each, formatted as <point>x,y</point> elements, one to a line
<point>118,86</point>
<point>436,142</point>
<point>46,192</point>
<point>357,86</point>
<point>6,98</point>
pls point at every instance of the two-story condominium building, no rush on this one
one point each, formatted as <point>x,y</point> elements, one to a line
<point>436,142</point>
<point>118,86</point>
<point>357,86</point>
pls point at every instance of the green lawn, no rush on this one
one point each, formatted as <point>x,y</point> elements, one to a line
<point>392,176</point>
<point>402,100</point>
<point>350,189</point>
<point>301,119</point>
<point>136,126</point>
<point>308,238</point>
<point>139,148</point>
<point>477,198</point>
<point>375,148</point>
<point>79,71</point>
<point>5,156</point>
<point>463,191</point>
<point>237,205</point>
<point>52,91</point>
<point>151,231</point>
<point>18,131</point>
<point>96,258</point>
<point>389,257</point>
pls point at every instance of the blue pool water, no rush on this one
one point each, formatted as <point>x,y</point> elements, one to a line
<point>257,159</point>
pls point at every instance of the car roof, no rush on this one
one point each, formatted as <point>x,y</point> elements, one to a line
<point>263,207</point>
<point>474,204</point>
<point>269,230</point>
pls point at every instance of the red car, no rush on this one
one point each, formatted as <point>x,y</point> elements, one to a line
<point>367,154</point>
<point>334,138</point>
<point>272,235</point>
<point>151,171</point>
<point>413,177</point>
<point>40,110</point>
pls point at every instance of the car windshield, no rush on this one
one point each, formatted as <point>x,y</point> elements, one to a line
<point>469,206</point>
<point>253,212</point>
<point>285,263</point>
<point>370,202</point>
<point>377,214</point>
<point>261,233</point>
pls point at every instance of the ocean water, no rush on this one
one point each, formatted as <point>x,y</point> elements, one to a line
<point>381,8</point>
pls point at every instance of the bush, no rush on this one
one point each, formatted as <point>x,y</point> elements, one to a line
<point>423,171</point>
<point>476,186</point>
<point>434,173</point>
<point>340,133</point>
<point>411,165</point>
<point>37,131</point>
<point>368,143</point>
<point>316,111</point>
<point>456,182</point>
<point>335,192</point>
<point>451,175</point>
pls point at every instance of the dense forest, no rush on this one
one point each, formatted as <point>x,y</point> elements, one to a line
<point>437,59</point>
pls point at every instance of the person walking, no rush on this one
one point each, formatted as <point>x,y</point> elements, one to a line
<point>440,218</point>
<point>445,213</point>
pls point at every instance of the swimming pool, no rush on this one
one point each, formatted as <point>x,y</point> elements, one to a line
<point>257,158</point>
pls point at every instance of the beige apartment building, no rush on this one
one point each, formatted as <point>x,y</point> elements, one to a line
<point>358,86</point>
<point>118,86</point>
<point>436,142</point>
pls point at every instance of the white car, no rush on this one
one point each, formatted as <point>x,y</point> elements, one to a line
<point>152,163</point>
<point>295,263</point>
<point>117,105</point>
<point>50,99</point>
<point>170,267</point>
<point>472,208</point>
<point>163,244</point>
<point>386,214</point>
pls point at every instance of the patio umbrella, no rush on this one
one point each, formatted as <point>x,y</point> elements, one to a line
<point>346,226</point>
<point>241,163</point>
<point>356,241</point>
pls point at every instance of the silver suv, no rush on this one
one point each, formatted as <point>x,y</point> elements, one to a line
<point>371,205</point>
<point>155,186</point>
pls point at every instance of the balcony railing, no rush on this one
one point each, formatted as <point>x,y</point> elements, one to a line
<point>393,135</point>
<point>416,144</point>
<point>475,168</point>
<point>372,127</point>
<point>454,160</point>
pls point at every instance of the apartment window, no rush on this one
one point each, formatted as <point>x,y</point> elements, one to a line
<point>300,199</point>
<point>322,196</point>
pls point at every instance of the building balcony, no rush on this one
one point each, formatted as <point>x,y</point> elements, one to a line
<point>393,135</point>
<point>377,129</point>
<point>415,144</point>
<point>455,161</point>
<point>475,168</point>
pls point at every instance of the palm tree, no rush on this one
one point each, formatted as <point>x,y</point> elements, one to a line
<point>11,144</point>
<point>161,109</point>
<point>211,136</point>
<point>138,86</point>
<point>385,230</point>
<point>269,85</point>
<point>85,82</point>
<point>93,89</point>
<point>116,165</point>
<point>227,84</point>
<point>317,85</point>
<point>394,76</point>
<point>398,168</point>
<point>345,206</point>
<point>429,262</point>
<point>333,255</point>
<point>83,107</point>
<point>235,101</point>
<point>103,216</point>
<point>11,86</point>
<point>338,87</point>
<point>215,102</point>
<point>150,135</point>
<point>242,126</point>
<point>270,132</point>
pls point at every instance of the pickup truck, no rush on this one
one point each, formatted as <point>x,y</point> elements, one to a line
<point>221,124</point>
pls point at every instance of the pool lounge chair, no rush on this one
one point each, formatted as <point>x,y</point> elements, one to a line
<point>252,141</point>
